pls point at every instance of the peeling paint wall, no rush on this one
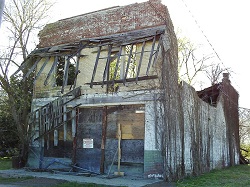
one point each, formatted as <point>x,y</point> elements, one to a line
<point>201,146</point>
<point>205,138</point>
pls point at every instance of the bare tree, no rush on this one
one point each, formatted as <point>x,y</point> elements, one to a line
<point>214,72</point>
<point>190,63</point>
<point>22,19</point>
<point>244,125</point>
<point>1,10</point>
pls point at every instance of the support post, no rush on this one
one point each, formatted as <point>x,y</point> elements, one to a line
<point>104,132</point>
<point>75,136</point>
<point>64,120</point>
<point>119,134</point>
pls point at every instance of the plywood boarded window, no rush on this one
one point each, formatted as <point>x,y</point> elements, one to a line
<point>132,120</point>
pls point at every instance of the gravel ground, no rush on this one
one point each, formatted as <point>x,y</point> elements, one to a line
<point>43,179</point>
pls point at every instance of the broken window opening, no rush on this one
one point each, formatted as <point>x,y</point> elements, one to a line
<point>131,62</point>
<point>121,66</point>
<point>114,67</point>
<point>60,71</point>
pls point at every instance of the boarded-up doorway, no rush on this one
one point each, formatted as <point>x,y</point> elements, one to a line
<point>89,138</point>
<point>132,120</point>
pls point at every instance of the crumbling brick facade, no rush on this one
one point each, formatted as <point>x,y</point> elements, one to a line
<point>105,22</point>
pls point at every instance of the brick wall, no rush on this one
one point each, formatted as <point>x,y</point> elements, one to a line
<point>105,22</point>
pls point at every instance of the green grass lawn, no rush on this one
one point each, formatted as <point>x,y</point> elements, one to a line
<point>235,176</point>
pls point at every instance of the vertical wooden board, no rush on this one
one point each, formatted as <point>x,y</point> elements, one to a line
<point>89,126</point>
<point>95,67</point>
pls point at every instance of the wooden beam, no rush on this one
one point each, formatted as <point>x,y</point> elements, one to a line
<point>121,39</point>
<point>77,71</point>
<point>128,36</point>
<point>106,70</point>
<point>66,73</point>
<point>117,63</point>
<point>127,80</point>
<point>104,133</point>
<point>140,61</point>
<point>64,120</point>
<point>128,63</point>
<point>73,114</point>
<point>95,67</point>
<point>40,71</point>
<point>31,69</point>
<point>75,138</point>
<point>119,133</point>
<point>157,50</point>
<point>151,55</point>
<point>28,60</point>
<point>51,70</point>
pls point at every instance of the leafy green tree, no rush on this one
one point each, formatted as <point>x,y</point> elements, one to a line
<point>8,131</point>
<point>60,72</point>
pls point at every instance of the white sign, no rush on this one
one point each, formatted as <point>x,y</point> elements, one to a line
<point>88,143</point>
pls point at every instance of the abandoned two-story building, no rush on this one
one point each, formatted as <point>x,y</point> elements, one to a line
<point>107,99</point>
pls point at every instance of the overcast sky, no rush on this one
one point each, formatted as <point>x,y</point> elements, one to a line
<point>224,22</point>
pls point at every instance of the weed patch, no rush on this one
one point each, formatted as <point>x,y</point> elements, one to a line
<point>230,177</point>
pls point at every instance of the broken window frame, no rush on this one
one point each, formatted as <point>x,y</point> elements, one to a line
<point>117,40</point>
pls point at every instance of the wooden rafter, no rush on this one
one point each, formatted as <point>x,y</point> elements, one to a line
<point>95,67</point>
<point>51,70</point>
<point>128,63</point>
<point>77,71</point>
<point>31,69</point>
<point>127,80</point>
<point>140,61</point>
<point>117,64</point>
<point>157,50</point>
<point>66,73</point>
<point>117,40</point>
<point>151,55</point>
<point>41,70</point>
<point>106,70</point>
